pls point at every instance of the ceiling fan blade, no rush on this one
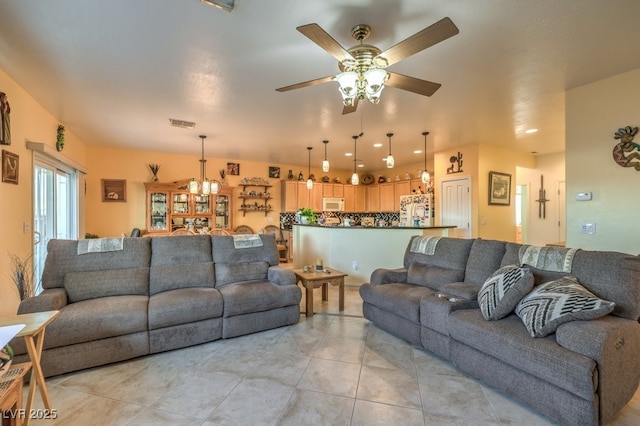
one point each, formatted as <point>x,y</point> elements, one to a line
<point>412,84</point>
<point>306,84</point>
<point>349,109</point>
<point>441,30</point>
<point>316,34</point>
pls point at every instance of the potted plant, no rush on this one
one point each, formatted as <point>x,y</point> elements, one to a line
<point>306,215</point>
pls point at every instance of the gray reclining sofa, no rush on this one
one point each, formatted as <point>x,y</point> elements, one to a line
<point>157,294</point>
<point>581,374</point>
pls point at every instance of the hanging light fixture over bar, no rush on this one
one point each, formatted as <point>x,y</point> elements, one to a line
<point>425,177</point>
<point>325,163</point>
<point>355,179</point>
<point>309,181</point>
<point>390,161</point>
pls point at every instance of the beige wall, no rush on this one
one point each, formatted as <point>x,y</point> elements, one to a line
<point>593,114</point>
<point>29,122</point>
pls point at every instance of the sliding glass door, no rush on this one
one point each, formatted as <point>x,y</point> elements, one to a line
<point>55,208</point>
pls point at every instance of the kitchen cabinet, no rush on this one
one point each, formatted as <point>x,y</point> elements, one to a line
<point>349,198</point>
<point>417,187</point>
<point>289,195</point>
<point>303,196</point>
<point>169,206</point>
<point>387,197</point>
<point>373,198</point>
<point>402,187</point>
<point>333,190</point>
<point>360,196</point>
<point>315,197</point>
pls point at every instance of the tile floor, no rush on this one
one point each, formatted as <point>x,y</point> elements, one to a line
<point>326,370</point>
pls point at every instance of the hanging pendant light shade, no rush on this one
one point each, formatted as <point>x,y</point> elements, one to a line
<point>425,177</point>
<point>390,161</point>
<point>309,181</point>
<point>355,179</point>
<point>325,163</point>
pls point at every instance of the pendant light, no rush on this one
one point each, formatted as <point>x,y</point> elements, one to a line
<point>355,180</point>
<point>325,163</point>
<point>390,161</point>
<point>205,186</point>
<point>309,181</point>
<point>425,177</point>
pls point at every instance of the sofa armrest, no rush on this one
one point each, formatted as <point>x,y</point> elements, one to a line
<point>461,290</point>
<point>51,299</point>
<point>387,276</point>
<point>281,276</point>
<point>613,343</point>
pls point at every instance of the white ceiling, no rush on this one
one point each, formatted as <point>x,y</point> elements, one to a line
<point>115,71</point>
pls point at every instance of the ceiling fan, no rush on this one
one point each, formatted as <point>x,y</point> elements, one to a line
<point>362,67</point>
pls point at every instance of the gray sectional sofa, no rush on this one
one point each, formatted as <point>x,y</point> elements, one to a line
<point>583,373</point>
<point>156,294</point>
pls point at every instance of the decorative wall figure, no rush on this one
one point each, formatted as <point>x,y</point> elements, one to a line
<point>5,128</point>
<point>455,161</point>
<point>542,200</point>
<point>627,153</point>
<point>60,137</point>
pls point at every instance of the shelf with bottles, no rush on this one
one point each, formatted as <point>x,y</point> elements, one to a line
<point>255,207</point>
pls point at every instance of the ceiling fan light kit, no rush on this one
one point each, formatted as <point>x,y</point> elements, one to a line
<point>363,74</point>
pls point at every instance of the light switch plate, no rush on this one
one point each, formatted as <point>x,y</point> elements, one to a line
<point>583,196</point>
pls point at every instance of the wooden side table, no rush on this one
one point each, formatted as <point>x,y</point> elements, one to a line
<point>315,279</point>
<point>11,394</point>
<point>33,333</point>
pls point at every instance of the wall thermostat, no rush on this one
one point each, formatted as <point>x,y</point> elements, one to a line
<point>583,196</point>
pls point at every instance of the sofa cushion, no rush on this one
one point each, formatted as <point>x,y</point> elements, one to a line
<point>183,306</point>
<point>401,299</point>
<point>227,273</point>
<point>433,276</point>
<point>110,282</point>
<point>224,250</point>
<point>557,302</point>
<point>502,291</point>
<point>248,297</point>
<point>171,277</point>
<point>450,253</point>
<point>484,258</point>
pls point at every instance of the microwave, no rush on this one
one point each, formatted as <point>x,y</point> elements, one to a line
<point>331,204</point>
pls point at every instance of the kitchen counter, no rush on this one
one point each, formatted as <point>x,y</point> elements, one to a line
<point>356,250</point>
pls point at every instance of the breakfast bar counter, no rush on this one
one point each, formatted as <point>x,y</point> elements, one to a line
<point>356,250</point>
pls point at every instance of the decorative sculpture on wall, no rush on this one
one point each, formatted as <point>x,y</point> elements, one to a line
<point>627,153</point>
<point>60,137</point>
<point>5,123</point>
<point>455,161</point>
<point>542,199</point>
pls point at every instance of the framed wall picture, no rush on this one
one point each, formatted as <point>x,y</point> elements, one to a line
<point>233,169</point>
<point>274,172</point>
<point>10,167</point>
<point>499,189</point>
<point>114,190</point>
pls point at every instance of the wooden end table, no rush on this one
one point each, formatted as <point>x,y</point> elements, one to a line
<point>315,279</point>
<point>11,393</point>
<point>33,333</point>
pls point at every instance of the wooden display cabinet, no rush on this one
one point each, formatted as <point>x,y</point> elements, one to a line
<point>169,206</point>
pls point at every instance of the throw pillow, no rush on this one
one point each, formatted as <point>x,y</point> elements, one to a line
<point>502,291</point>
<point>557,302</point>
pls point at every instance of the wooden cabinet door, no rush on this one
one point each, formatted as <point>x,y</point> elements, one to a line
<point>360,204</point>
<point>417,186</point>
<point>303,195</point>
<point>338,190</point>
<point>348,191</point>
<point>402,187</point>
<point>289,195</point>
<point>387,196</point>
<point>315,195</point>
<point>373,198</point>
<point>327,190</point>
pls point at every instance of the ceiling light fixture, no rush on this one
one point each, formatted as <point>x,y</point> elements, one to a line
<point>309,181</point>
<point>425,177</point>
<point>390,161</point>
<point>205,186</point>
<point>325,163</point>
<point>355,180</point>
<point>226,5</point>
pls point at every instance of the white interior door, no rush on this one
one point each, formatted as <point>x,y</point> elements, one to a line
<point>455,205</point>
<point>55,209</point>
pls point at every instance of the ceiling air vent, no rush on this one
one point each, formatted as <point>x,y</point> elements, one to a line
<point>182,123</point>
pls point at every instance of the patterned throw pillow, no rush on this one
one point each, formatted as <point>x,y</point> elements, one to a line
<point>502,291</point>
<point>557,302</point>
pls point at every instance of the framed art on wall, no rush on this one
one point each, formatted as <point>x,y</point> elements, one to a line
<point>114,190</point>
<point>274,172</point>
<point>233,169</point>
<point>10,167</point>
<point>499,189</point>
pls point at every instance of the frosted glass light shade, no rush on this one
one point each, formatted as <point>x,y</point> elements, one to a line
<point>348,83</point>
<point>390,162</point>
<point>425,177</point>
<point>309,184</point>
<point>206,186</point>
<point>325,166</point>
<point>215,187</point>
<point>193,186</point>
<point>375,78</point>
<point>355,179</point>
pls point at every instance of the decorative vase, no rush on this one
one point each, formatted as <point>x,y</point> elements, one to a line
<point>304,220</point>
<point>290,175</point>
